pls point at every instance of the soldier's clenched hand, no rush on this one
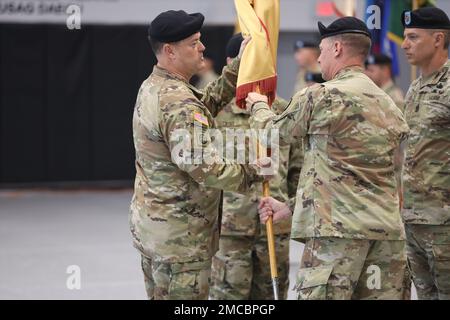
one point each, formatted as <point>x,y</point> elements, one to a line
<point>271,207</point>
<point>252,98</point>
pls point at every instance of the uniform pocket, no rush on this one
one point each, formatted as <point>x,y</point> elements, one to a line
<point>441,253</point>
<point>183,285</point>
<point>190,281</point>
<point>312,283</point>
<point>218,270</point>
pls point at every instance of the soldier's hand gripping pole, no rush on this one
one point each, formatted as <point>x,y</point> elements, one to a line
<point>271,245</point>
<point>269,231</point>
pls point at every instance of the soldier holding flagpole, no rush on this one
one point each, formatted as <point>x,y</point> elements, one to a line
<point>347,208</point>
<point>174,213</point>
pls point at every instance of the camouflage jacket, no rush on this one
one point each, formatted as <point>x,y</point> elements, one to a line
<point>174,210</point>
<point>395,93</point>
<point>348,186</point>
<point>427,168</point>
<point>240,213</point>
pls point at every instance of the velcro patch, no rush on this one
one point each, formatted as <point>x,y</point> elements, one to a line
<point>201,118</point>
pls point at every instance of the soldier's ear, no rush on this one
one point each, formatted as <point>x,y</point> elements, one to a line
<point>337,48</point>
<point>439,39</point>
<point>168,50</point>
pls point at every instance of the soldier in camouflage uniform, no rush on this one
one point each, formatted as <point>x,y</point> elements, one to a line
<point>426,209</point>
<point>306,54</point>
<point>174,212</point>
<point>379,69</point>
<point>347,208</point>
<point>240,269</point>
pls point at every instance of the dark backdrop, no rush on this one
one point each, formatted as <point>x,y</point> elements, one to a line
<point>67,98</point>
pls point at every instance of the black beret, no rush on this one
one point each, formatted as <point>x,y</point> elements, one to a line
<point>172,26</point>
<point>426,18</point>
<point>314,77</point>
<point>343,25</point>
<point>234,45</point>
<point>378,58</point>
<point>305,44</point>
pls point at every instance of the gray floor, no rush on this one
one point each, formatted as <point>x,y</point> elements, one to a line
<point>43,233</point>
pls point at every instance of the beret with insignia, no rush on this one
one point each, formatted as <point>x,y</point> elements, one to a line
<point>343,25</point>
<point>172,26</point>
<point>426,18</point>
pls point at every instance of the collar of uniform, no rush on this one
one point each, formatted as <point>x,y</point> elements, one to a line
<point>387,85</point>
<point>435,77</point>
<point>197,92</point>
<point>167,74</point>
<point>347,71</point>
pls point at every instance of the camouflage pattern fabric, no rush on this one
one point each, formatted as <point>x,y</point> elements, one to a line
<point>243,253</point>
<point>240,216</point>
<point>395,93</point>
<point>240,269</point>
<point>344,269</point>
<point>428,249</point>
<point>351,132</point>
<point>174,209</point>
<point>146,264</point>
<point>178,281</point>
<point>427,167</point>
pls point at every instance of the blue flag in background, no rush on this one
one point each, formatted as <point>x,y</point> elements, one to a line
<point>388,46</point>
<point>375,33</point>
<point>381,43</point>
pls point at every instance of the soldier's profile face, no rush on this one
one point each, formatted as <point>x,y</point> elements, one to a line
<point>418,46</point>
<point>189,55</point>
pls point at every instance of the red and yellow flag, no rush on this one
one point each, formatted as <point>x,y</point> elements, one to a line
<point>259,19</point>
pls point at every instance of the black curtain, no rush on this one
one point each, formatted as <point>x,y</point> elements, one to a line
<point>67,99</point>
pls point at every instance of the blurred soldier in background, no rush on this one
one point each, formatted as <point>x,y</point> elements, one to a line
<point>379,69</point>
<point>426,209</point>
<point>240,269</point>
<point>207,74</point>
<point>174,213</point>
<point>306,54</point>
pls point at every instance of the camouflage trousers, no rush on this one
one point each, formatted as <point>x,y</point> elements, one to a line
<point>241,269</point>
<point>176,281</point>
<point>428,248</point>
<point>333,268</point>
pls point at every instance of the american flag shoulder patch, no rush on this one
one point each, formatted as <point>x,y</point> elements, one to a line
<point>201,118</point>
